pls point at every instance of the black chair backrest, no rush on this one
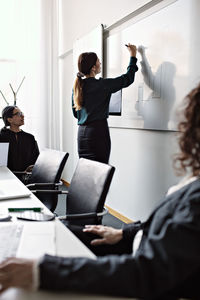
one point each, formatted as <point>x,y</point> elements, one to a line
<point>48,169</point>
<point>88,188</point>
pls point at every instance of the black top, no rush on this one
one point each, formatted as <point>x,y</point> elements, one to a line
<point>97,94</point>
<point>166,265</point>
<point>23,149</point>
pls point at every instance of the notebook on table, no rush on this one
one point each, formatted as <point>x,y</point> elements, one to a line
<point>27,240</point>
<point>10,236</point>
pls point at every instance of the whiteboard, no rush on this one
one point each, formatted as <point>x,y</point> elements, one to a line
<point>91,42</point>
<point>168,70</point>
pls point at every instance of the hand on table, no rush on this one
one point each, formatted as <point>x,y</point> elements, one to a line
<point>108,235</point>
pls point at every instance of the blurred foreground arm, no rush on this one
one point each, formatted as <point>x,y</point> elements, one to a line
<point>17,272</point>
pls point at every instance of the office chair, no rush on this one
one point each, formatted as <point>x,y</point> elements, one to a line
<point>46,175</point>
<point>87,193</point>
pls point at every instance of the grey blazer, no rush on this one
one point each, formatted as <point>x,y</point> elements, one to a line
<point>166,265</point>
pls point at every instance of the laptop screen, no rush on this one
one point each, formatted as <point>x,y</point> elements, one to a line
<point>4,154</point>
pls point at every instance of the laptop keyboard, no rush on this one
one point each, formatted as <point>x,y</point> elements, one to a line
<point>10,236</point>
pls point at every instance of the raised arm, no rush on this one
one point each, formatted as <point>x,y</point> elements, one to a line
<point>112,85</point>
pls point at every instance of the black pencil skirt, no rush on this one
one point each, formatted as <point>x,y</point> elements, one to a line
<point>94,141</point>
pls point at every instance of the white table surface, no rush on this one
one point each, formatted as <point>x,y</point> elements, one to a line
<point>67,244</point>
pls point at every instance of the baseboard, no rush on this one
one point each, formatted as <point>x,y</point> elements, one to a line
<point>113,212</point>
<point>119,216</point>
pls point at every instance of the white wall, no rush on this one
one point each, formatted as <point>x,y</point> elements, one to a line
<point>79,17</point>
<point>26,31</point>
<point>69,122</point>
<point>142,158</point>
<point>143,170</point>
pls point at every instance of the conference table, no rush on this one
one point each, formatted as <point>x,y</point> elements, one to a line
<point>38,238</point>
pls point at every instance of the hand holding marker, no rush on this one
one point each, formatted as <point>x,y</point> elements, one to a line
<point>132,49</point>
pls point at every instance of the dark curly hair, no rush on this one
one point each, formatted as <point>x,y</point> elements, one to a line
<point>189,136</point>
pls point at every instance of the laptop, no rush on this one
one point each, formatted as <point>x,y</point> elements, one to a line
<point>4,154</point>
<point>13,189</point>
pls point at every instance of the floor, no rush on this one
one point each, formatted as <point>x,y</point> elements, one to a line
<point>108,219</point>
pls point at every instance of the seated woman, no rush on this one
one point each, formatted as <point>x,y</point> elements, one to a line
<point>23,148</point>
<point>165,262</point>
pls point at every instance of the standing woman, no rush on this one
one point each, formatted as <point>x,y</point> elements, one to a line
<point>90,104</point>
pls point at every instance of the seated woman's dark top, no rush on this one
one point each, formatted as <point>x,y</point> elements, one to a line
<point>23,149</point>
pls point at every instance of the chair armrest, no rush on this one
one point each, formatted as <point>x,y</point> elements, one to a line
<point>49,191</point>
<point>84,215</point>
<point>22,172</point>
<point>42,184</point>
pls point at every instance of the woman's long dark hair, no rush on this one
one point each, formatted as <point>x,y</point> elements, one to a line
<point>7,112</point>
<point>189,139</point>
<point>85,63</point>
